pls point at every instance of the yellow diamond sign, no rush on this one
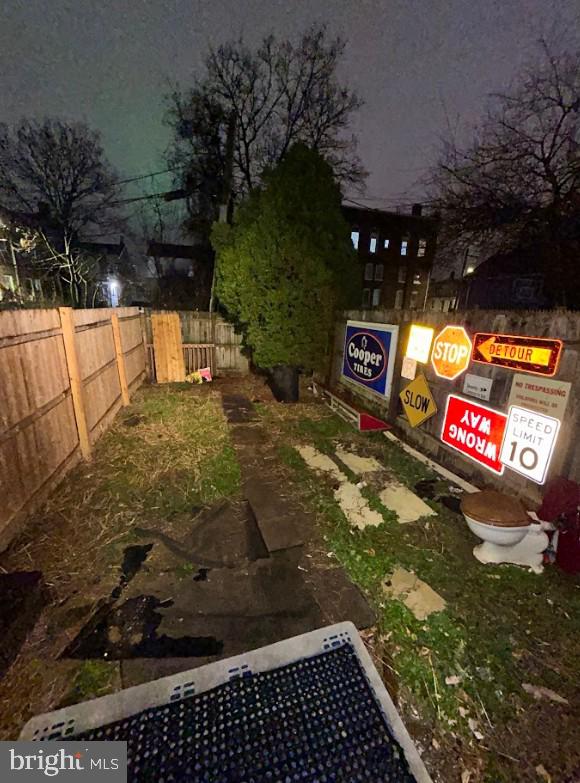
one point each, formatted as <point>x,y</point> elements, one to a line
<point>418,402</point>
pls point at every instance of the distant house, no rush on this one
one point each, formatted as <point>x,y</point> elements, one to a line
<point>395,253</point>
<point>20,281</point>
<point>179,275</point>
<point>443,295</point>
<point>512,280</point>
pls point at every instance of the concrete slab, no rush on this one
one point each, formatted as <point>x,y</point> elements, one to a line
<point>359,465</point>
<point>275,517</point>
<point>355,507</point>
<point>321,463</point>
<point>238,409</point>
<point>416,594</point>
<point>407,506</point>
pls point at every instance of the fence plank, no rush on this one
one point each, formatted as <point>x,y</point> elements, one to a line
<point>169,362</point>
<point>120,359</point>
<point>76,383</point>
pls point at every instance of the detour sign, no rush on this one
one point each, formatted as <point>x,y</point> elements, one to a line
<point>451,352</point>
<point>538,355</point>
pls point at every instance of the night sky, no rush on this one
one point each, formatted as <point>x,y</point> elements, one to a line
<point>414,62</point>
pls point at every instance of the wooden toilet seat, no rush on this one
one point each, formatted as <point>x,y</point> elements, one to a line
<point>490,507</point>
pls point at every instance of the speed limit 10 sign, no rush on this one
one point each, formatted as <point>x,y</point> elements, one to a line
<point>528,443</point>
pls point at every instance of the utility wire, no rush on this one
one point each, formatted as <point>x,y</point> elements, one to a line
<point>145,176</point>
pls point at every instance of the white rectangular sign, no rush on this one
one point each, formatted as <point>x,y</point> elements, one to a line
<point>543,395</point>
<point>409,368</point>
<point>477,386</point>
<point>528,443</point>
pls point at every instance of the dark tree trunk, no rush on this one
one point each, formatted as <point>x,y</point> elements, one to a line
<point>284,383</point>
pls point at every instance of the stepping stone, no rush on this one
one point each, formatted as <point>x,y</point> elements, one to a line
<point>355,507</point>
<point>275,517</point>
<point>417,595</point>
<point>406,505</point>
<point>238,409</point>
<point>320,463</point>
<point>359,465</point>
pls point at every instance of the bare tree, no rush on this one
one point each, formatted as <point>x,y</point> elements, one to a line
<point>275,95</point>
<point>57,173</point>
<point>59,167</point>
<point>518,183</point>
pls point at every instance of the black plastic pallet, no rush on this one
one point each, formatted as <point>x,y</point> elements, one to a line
<point>314,721</point>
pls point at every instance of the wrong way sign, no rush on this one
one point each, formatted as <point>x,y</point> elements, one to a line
<point>418,402</point>
<point>528,443</point>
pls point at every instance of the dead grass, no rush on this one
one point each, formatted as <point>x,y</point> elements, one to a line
<point>165,455</point>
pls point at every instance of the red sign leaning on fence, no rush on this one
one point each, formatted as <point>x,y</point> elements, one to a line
<point>475,431</point>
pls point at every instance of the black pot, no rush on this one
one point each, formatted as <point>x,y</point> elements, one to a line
<point>284,383</point>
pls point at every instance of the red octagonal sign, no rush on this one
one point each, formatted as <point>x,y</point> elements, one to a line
<point>451,352</point>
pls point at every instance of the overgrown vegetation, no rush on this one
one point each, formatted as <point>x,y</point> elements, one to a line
<point>163,458</point>
<point>502,626</point>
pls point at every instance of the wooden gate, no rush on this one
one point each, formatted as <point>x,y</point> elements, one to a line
<point>169,364</point>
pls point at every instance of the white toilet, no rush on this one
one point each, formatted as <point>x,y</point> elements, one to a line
<point>508,533</point>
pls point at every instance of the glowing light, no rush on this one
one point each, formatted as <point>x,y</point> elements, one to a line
<point>419,345</point>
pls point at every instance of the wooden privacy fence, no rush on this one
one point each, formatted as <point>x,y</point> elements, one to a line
<point>206,341</point>
<point>64,374</point>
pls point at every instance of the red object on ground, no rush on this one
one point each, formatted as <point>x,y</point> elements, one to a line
<point>363,421</point>
<point>367,423</point>
<point>561,504</point>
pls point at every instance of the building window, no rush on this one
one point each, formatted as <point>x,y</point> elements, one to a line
<point>373,243</point>
<point>354,239</point>
<point>6,285</point>
<point>376,297</point>
<point>404,246</point>
<point>413,301</point>
<point>422,249</point>
<point>399,299</point>
<point>366,298</point>
<point>379,272</point>
<point>402,274</point>
<point>386,244</point>
<point>369,269</point>
<point>417,278</point>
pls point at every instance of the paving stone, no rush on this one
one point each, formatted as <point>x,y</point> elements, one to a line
<point>406,505</point>
<point>275,516</point>
<point>416,594</point>
<point>238,409</point>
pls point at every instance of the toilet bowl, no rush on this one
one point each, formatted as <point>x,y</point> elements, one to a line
<point>505,528</point>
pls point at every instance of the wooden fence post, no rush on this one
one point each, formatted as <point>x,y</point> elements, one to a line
<point>75,380</point>
<point>120,359</point>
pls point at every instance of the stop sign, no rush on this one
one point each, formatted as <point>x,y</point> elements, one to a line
<point>451,352</point>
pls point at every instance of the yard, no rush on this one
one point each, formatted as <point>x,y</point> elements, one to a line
<point>457,675</point>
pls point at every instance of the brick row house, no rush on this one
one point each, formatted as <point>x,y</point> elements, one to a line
<point>396,253</point>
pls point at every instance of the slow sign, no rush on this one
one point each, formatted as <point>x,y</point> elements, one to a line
<point>529,442</point>
<point>418,402</point>
<point>537,355</point>
<point>369,355</point>
<point>474,430</point>
<point>451,352</point>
